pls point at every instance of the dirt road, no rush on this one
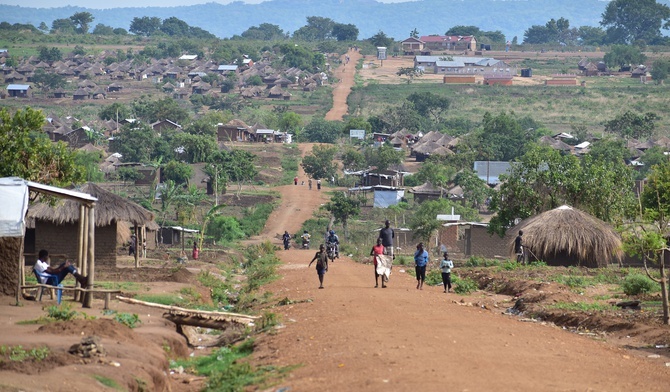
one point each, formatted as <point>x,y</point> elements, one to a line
<point>353,337</point>
<point>341,91</point>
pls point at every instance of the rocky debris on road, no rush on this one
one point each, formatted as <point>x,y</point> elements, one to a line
<point>90,346</point>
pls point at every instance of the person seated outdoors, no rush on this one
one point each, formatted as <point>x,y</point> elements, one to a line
<point>54,276</point>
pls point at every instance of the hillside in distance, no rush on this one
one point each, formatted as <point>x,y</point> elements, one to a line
<point>512,17</point>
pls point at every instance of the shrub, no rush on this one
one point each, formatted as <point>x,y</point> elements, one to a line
<point>254,218</point>
<point>475,261</point>
<point>19,354</point>
<point>127,319</point>
<point>225,228</point>
<point>464,285</point>
<point>434,277</point>
<point>636,284</point>
<point>61,312</point>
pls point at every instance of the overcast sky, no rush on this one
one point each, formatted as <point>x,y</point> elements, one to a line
<point>97,4</point>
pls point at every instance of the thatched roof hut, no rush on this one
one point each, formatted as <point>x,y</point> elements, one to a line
<point>109,208</point>
<point>57,227</point>
<point>567,236</point>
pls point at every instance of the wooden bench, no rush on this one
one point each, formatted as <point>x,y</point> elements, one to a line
<point>107,292</point>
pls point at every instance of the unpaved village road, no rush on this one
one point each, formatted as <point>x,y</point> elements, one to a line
<point>354,337</point>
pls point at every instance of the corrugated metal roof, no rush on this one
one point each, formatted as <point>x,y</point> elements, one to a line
<point>18,87</point>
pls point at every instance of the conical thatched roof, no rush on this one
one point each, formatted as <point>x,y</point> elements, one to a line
<point>108,208</point>
<point>568,236</point>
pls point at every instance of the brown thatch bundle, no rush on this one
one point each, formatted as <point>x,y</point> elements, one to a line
<point>108,208</point>
<point>568,236</point>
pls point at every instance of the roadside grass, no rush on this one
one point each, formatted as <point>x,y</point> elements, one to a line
<point>123,286</point>
<point>108,382</point>
<point>227,372</point>
<point>580,306</point>
<point>290,165</point>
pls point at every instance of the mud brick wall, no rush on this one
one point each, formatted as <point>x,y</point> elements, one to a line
<point>488,245</point>
<point>10,254</point>
<point>62,239</point>
<point>482,244</point>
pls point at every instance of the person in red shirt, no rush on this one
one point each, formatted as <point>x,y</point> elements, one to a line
<point>378,250</point>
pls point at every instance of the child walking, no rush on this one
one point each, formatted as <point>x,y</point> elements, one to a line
<point>321,258</point>
<point>446,265</point>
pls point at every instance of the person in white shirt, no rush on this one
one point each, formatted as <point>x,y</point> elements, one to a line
<point>54,276</point>
<point>446,265</point>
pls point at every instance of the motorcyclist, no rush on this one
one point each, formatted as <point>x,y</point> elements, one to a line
<point>305,239</point>
<point>286,239</point>
<point>335,240</point>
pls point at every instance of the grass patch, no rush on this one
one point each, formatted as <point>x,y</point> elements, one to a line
<point>108,382</point>
<point>226,371</point>
<point>289,165</point>
<point>580,306</point>
<point>254,218</point>
<point>20,354</point>
<point>463,286</point>
<point>123,286</point>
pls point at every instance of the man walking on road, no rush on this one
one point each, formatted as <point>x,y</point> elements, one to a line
<point>420,262</point>
<point>387,235</point>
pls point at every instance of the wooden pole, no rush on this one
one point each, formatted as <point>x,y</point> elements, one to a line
<point>137,249</point>
<point>80,244</point>
<point>84,250</point>
<point>22,266</point>
<point>88,298</point>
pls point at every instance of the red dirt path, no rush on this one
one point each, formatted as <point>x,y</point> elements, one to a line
<point>353,337</point>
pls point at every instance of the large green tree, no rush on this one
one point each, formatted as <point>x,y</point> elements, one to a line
<point>544,179</point>
<point>624,56</point>
<point>429,104</point>
<point>29,154</point>
<point>317,29</point>
<point>264,32</point>
<point>319,163</point>
<point>343,207</point>
<point>660,70</point>
<point>82,21</point>
<point>145,25</point>
<point>345,32</point>
<point>633,125</point>
<point>320,130</point>
<point>628,21</point>
<point>239,166</point>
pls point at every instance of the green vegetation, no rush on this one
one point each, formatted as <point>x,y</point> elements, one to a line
<point>62,312</point>
<point>636,284</point>
<point>127,319</point>
<point>580,306</point>
<point>20,354</point>
<point>463,286</point>
<point>227,372</point>
<point>108,382</point>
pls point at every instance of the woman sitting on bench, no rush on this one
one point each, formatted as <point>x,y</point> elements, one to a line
<point>54,276</point>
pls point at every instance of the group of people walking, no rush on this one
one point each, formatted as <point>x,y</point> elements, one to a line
<point>309,183</point>
<point>382,257</point>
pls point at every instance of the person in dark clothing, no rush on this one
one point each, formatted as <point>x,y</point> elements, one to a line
<point>321,258</point>
<point>387,235</point>
<point>286,239</point>
<point>518,248</point>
